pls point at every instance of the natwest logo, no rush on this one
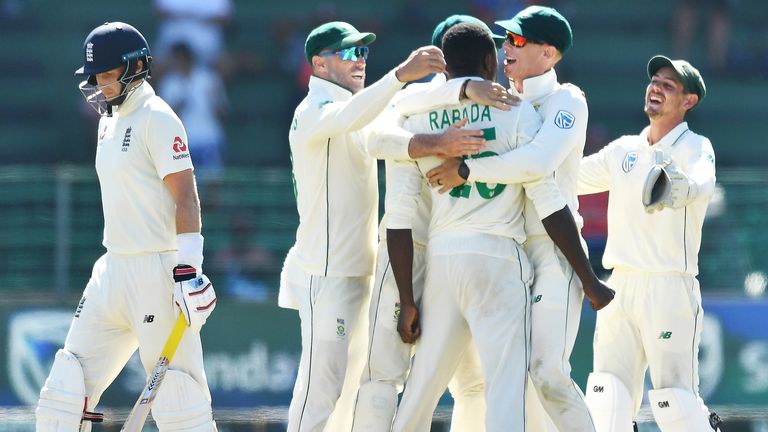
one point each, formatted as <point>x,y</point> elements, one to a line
<point>178,145</point>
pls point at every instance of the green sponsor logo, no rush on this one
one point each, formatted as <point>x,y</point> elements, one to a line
<point>665,335</point>
<point>537,298</point>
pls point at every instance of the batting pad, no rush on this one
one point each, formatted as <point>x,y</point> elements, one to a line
<point>182,405</point>
<point>678,410</point>
<point>62,398</point>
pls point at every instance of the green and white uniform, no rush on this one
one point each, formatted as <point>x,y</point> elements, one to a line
<point>557,294</point>
<point>326,275</point>
<point>478,276</point>
<point>655,319</point>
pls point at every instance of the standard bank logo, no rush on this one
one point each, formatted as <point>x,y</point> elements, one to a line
<point>564,119</point>
<point>629,161</point>
<point>33,339</point>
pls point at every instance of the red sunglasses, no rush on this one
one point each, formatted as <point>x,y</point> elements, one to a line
<point>517,40</point>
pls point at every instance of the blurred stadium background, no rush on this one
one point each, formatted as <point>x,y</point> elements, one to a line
<point>51,221</point>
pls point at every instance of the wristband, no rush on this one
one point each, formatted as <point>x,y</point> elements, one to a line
<point>463,91</point>
<point>191,250</point>
<point>463,170</point>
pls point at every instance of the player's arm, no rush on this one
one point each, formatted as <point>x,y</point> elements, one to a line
<point>595,172</point>
<point>452,92</point>
<point>559,224</point>
<point>193,292</point>
<point>386,138</point>
<point>701,171</point>
<point>331,118</point>
<point>401,204</point>
<point>563,130</point>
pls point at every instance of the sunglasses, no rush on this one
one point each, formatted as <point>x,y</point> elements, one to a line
<point>516,40</point>
<point>351,53</point>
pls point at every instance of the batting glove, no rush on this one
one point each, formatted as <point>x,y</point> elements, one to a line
<point>194,296</point>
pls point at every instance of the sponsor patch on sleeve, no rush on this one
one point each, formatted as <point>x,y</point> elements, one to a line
<point>564,119</point>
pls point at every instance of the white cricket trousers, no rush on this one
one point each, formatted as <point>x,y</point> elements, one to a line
<point>388,358</point>
<point>478,291</point>
<point>330,309</point>
<point>654,321</point>
<point>555,402</point>
<point>128,304</point>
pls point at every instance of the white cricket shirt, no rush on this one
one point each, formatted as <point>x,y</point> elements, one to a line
<point>335,177</point>
<point>664,241</point>
<point>141,143</point>
<point>558,146</point>
<point>476,207</point>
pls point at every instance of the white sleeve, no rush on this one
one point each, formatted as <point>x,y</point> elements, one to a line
<point>595,173</point>
<point>166,141</point>
<point>430,96</point>
<point>564,129</point>
<point>403,193</point>
<point>385,138</point>
<point>335,118</point>
<point>701,169</point>
<point>545,195</point>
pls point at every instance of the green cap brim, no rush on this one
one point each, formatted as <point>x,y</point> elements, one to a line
<point>354,39</point>
<point>511,25</point>
<point>498,40</point>
<point>689,83</point>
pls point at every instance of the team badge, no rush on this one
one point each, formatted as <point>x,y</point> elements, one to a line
<point>629,161</point>
<point>89,52</point>
<point>340,328</point>
<point>564,119</point>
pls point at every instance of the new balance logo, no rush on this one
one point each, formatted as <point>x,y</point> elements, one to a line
<point>80,307</point>
<point>127,139</point>
<point>665,335</point>
<point>537,298</point>
<point>149,318</point>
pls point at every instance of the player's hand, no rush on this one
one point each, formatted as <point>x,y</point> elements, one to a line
<point>194,296</point>
<point>457,142</point>
<point>491,93</point>
<point>599,294</point>
<point>408,323</point>
<point>422,62</point>
<point>446,176</point>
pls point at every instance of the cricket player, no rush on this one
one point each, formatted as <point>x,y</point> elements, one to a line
<point>537,38</point>
<point>662,181</point>
<point>152,269</point>
<point>326,275</point>
<point>478,275</point>
<point>388,358</point>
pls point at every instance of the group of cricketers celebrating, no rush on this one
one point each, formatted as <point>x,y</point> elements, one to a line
<point>473,280</point>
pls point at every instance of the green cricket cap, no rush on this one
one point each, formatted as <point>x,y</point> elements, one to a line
<point>688,75</point>
<point>442,28</point>
<point>541,24</point>
<point>334,35</point>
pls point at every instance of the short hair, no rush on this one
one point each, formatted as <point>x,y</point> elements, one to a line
<point>466,47</point>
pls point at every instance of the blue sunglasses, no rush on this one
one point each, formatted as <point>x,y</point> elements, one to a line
<point>352,53</point>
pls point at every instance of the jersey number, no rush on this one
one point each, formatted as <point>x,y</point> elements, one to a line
<point>482,188</point>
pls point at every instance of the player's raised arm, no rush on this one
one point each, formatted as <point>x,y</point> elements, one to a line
<point>337,54</point>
